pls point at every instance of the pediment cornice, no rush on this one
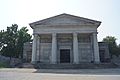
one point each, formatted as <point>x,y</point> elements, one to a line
<point>65,19</point>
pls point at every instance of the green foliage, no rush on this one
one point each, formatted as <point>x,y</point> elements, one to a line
<point>4,65</point>
<point>12,40</point>
<point>23,37</point>
<point>113,47</point>
<point>1,39</point>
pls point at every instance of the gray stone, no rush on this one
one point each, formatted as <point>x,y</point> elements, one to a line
<point>66,38</point>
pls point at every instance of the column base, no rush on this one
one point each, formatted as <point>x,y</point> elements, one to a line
<point>97,62</point>
<point>53,63</point>
<point>75,62</point>
<point>33,62</point>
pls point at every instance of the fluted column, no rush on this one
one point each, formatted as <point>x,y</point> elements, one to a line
<point>34,46</point>
<point>96,48</point>
<point>75,49</point>
<point>54,49</point>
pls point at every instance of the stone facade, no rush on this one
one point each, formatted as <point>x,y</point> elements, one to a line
<point>103,51</point>
<point>27,51</point>
<point>65,39</point>
<point>11,62</point>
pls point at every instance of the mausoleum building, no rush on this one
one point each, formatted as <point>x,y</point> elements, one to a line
<point>65,38</point>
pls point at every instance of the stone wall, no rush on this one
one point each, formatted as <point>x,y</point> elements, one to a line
<point>104,52</point>
<point>85,47</point>
<point>85,52</point>
<point>4,59</point>
<point>12,62</point>
<point>116,59</point>
<point>45,52</point>
<point>27,51</point>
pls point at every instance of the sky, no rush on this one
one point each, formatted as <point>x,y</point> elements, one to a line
<point>23,12</point>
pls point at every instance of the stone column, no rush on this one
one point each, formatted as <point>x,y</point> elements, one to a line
<point>91,45</point>
<point>75,49</point>
<point>54,49</point>
<point>96,48</point>
<point>38,49</point>
<point>34,46</point>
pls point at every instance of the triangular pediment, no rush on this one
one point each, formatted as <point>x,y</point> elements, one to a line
<point>66,19</point>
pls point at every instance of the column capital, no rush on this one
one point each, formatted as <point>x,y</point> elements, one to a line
<point>54,34</point>
<point>95,33</point>
<point>75,34</point>
<point>35,35</point>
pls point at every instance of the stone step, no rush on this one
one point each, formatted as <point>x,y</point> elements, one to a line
<point>75,66</point>
<point>26,65</point>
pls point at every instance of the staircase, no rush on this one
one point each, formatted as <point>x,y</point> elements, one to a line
<point>25,65</point>
<point>75,66</point>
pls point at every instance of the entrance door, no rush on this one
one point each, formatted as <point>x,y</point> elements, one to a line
<point>65,56</point>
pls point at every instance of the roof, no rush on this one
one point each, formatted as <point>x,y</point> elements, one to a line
<point>65,19</point>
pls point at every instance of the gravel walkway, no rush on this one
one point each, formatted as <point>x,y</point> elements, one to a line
<point>55,74</point>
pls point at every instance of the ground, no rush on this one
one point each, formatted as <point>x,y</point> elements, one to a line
<point>59,74</point>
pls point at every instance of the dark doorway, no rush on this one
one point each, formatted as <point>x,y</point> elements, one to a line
<point>65,56</point>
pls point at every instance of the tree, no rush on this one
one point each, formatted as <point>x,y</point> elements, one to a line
<point>1,39</point>
<point>12,40</point>
<point>23,37</point>
<point>113,48</point>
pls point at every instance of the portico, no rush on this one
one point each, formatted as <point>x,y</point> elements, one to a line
<point>65,39</point>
